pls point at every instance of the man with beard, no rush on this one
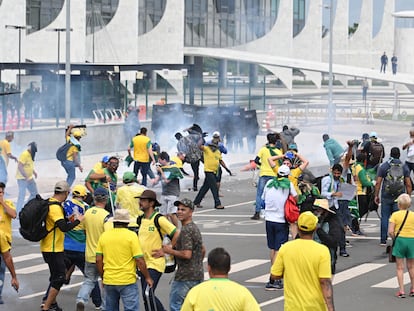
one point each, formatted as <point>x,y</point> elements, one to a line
<point>331,190</point>
<point>25,175</point>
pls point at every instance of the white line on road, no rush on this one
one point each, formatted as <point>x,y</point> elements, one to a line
<point>32,269</point>
<point>26,257</point>
<point>42,293</point>
<point>393,282</point>
<point>339,278</point>
<point>243,265</point>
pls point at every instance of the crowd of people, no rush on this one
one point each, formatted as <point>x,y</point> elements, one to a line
<point>119,232</point>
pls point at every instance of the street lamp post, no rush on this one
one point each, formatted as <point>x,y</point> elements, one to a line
<point>19,28</point>
<point>58,31</point>
<point>331,108</point>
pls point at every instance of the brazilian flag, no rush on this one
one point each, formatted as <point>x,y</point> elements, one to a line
<point>172,172</point>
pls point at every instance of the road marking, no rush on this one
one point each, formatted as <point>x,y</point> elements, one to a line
<point>242,235</point>
<point>43,292</point>
<point>393,282</point>
<point>339,278</point>
<point>202,211</point>
<point>243,265</point>
<point>32,269</point>
<point>26,257</point>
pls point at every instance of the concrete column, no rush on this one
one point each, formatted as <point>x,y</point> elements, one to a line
<point>153,81</point>
<point>253,75</point>
<point>222,79</point>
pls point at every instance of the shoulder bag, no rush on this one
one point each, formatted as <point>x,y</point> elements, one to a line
<point>391,257</point>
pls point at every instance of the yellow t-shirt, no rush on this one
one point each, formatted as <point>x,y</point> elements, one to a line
<point>150,240</point>
<point>119,248</point>
<point>5,150</point>
<point>211,160</point>
<point>178,162</point>
<point>293,177</point>
<point>6,221</point>
<point>219,294</point>
<point>397,218</point>
<point>356,169</point>
<point>303,263</point>
<point>125,198</point>
<point>4,244</point>
<point>141,143</point>
<point>94,224</point>
<point>53,242</point>
<point>265,168</point>
<point>97,168</point>
<point>28,165</point>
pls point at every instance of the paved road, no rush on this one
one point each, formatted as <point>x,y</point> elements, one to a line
<point>364,280</point>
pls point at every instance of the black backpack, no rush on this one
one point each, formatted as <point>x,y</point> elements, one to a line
<point>170,266</point>
<point>32,219</point>
<point>61,153</point>
<point>376,153</point>
<point>394,180</point>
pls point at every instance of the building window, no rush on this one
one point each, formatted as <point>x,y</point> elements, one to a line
<point>40,13</point>
<point>150,13</point>
<point>99,13</point>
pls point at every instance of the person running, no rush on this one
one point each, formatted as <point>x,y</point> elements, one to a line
<point>219,293</point>
<point>26,174</point>
<point>73,154</point>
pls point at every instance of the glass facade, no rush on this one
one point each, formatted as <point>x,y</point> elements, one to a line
<point>150,13</point>
<point>99,13</point>
<point>299,12</point>
<point>40,13</point>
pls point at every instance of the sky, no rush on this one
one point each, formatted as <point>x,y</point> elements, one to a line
<point>355,7</point>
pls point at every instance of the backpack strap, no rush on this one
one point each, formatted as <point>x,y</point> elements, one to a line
<point>156,223</point>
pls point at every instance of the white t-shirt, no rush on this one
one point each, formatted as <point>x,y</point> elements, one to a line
<point>275,202</point>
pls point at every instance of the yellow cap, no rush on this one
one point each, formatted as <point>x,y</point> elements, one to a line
<point>79,190</point>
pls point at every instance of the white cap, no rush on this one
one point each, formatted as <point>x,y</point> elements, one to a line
<point>283,170</point>
<point>216,134</point>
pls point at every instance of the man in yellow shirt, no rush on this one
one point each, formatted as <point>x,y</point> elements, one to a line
<point>305,266</point>
<point>118,256</point>
<point>212,161</point>
<point>73,154</point>
<point>7,213</point>
<point>6,154</point>
<point>52,247</point>
<point>25,175</point>
<point>8,259</point>
<point>143,154</point>
<point>219,293</point>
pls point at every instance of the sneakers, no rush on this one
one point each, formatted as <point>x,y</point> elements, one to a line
<point>400,295</point>
<point>383,243</point>
<point>219,207</point>
<point>343,254</point>
<point>53,307</point>
<point>198,206</point>
<point>357,233</point>
<point>276,285</point>
<point>256,216</point>
<point>411,294</point>
<point>80,306</point>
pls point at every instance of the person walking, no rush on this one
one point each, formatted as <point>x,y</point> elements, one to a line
<point>393,179</point>
<point>188,252</point>
<point>25,175</point>
<point>142,155</point>
<point>118,256</point>
<point>331,190</point>
<point>73,154</point>
<point>384,62</point>
<point>275,194</point>
<point>151,241</point>
<point>219,293</point>
<point>95,223</point>
<point>394,65</point>
<point>52,246</point>
<point>401,230</point>
<point>6,155</point>
<point>5,248</point>
<point>374,151</point>
<point>409,146</point>
<point>365,87</point>
<point>305,266</point>
<point>7,213</point>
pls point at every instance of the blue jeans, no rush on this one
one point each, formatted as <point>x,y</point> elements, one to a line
<point>128,294</point>
<point>2,274</point>
<point>388,206</point>
<point>155,275</point>
<point>144,167</point>
<point>179,290</point>
<point>91,278</point>
<point>260,186</point>
<point>24,184</point>
<point>69,167</point>
<point>3,171</point>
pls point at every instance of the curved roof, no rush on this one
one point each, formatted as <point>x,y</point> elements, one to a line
<point>403,14</point>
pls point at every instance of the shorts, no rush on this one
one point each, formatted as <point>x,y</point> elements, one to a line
<point>57,268</point>
<point>277,234</point>
<point>403,248</point>
<point>167,204</point>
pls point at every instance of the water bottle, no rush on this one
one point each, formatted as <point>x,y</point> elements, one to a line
<point>169,259</point>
